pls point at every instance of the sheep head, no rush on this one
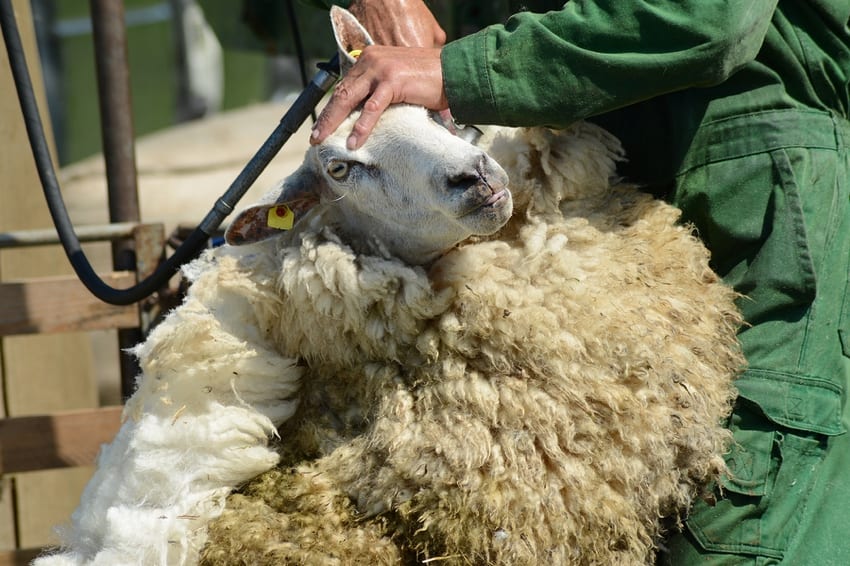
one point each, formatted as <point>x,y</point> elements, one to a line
<point>413,190</point>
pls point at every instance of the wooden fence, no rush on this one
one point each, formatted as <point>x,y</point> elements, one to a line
<point>56,304</point>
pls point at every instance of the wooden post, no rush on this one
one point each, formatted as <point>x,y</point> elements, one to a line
<point>39,373</point>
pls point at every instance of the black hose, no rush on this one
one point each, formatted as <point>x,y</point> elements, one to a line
<point>197,240</point>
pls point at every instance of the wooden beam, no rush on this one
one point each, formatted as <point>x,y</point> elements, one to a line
<point>59,440</point>
<point>62,304</point>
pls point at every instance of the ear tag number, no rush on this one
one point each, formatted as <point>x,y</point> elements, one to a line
<point>281,217</point>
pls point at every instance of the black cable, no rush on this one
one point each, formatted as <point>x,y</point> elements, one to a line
<point>197,240</point>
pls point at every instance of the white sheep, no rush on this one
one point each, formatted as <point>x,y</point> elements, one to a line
<point>543,392</point>
<point>546,395</point>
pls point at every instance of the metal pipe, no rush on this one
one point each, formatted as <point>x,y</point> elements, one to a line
<point>48,236</point>
<point>116,112</point>
<point>119,153</point>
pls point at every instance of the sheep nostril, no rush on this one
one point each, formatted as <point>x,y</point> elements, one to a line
<point>463,181</point>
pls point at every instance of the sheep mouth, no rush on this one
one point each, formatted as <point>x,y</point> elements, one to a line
<point>496,200</point>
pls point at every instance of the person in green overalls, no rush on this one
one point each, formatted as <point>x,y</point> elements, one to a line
<point>737,113</point>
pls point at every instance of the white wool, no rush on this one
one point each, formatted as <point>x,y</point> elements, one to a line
<point>565,391</point>
<point>211,394</point>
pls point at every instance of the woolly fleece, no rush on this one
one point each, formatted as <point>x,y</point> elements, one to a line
<point>211,393</point>
<point>546,396</point>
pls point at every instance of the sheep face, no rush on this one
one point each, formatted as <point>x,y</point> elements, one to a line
<point>413,191</point>
<point>414,188</point>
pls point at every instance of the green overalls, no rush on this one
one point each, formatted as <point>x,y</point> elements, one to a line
<point>736,112</point>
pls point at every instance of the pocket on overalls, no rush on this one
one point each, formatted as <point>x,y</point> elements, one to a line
<point>781,274</point>
<point>758,505</point>
<point>748,212</point>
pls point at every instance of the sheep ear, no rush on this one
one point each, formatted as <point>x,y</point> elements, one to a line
<point>260,222</point>
<point>350,37</point>
<point>264,221</point>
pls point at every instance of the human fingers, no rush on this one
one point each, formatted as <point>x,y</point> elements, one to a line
<point>378,101</point>
<point>387,75</point>
<point>347,96</point>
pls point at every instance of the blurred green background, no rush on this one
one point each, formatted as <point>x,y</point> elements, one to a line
<point>66,46</point>
<point>257,57</point>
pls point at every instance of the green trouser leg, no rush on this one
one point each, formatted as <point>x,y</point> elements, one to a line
<point>770,194</point>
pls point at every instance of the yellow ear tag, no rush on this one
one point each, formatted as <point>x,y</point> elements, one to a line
<point>355,53</point>
<point>281,217</point>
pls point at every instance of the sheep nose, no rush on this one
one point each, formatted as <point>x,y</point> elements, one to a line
<point>481,170</point>
<point>463,180</point>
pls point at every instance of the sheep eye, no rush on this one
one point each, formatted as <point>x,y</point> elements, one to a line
<point>338,169</point>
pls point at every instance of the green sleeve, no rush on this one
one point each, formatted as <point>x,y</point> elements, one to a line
<point>591,57</point>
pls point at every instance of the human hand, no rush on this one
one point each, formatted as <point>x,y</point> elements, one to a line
<point>383,75</point>
<point>404,23</point>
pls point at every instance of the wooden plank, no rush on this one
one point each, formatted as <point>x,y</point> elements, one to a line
<point>19,557</point>
<point>60,440</point>
<point>63,487</point>
<point>62,304</point>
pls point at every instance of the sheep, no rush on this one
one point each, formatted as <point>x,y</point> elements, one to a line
<point>546,395</point>
<point>428,365</point>
<point>543,396</point>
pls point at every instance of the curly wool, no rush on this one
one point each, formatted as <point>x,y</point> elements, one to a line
<point>211,393</point>
<point>543,397</point>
